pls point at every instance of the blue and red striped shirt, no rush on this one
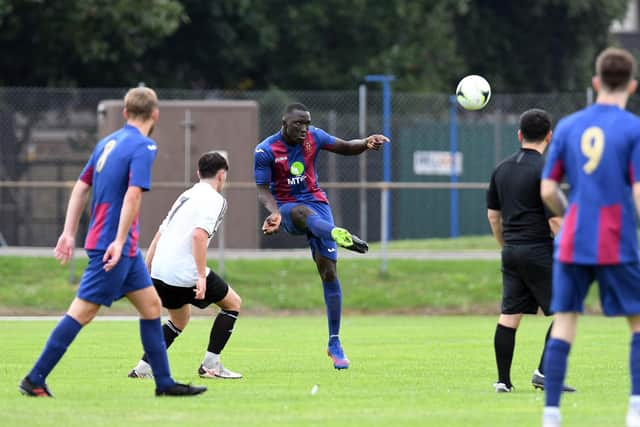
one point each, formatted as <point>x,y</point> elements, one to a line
<point>290,170</point>
<point>120,160</point>
<point>597,149</point>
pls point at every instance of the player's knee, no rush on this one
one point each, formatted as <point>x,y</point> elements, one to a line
<point>180,323</point>
<point>299,215</point>
<point>237,302</point>
<point>328,275</point>
<point>232,301</point>
<point>83,311</point>
<point>153,307</point>
<point>510,320</point>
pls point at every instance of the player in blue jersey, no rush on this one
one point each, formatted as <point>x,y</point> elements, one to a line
<point>597,150</point>
<point>285,173</point>
<point>117,173</point>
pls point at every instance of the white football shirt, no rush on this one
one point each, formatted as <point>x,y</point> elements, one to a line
<point>199,207</point>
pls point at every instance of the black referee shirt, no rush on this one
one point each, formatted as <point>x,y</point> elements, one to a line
<point>515,191</point>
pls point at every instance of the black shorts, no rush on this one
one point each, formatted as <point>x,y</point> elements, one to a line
<point>526,278</point>
<point>174,297</point>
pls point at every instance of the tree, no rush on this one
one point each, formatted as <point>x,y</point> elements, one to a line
<point>253,44</point>
<point>537,45</point>
<point>520,46</point>
<point>79,42</point>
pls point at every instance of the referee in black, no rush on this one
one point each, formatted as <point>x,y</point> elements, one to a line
<point>524,228</point>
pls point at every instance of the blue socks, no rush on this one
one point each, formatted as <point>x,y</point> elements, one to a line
<point>333,301</point>
<point>634,364</point>
<point>555,370</point>
<point>319,227</point>
<point>61,337</point>
<point>156,350</point>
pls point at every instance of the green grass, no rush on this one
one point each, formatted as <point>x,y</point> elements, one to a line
<point>40,285</point>
<point>486,242</point>
<point>406,371</point>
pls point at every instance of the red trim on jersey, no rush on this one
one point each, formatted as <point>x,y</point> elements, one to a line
<point>87,176</point>
<point>99,219</point>
<point>567,239</point>
<point>309,151</point>
<point>609,229</point>
<point>280,173</point>
<point>133,243</point>
<point>557,171</point>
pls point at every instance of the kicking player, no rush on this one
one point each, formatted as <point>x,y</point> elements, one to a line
<point>118,171</point>
<point>598,151</point>
<point>524,230</point>
<point>177,260</point>
<point>285,174</point>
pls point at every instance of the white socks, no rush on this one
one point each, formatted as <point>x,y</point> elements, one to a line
<point>210,360</point>
<point>143,367</point>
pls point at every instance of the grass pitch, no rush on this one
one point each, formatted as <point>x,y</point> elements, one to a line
<point>406,371</point>
<point>40,285</point>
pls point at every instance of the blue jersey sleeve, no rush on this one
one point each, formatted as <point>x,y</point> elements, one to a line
<point>86,175</point>
<point>554,165</point>
<point>323,139</point>
<point>262,160</point>
<point>141,164</point>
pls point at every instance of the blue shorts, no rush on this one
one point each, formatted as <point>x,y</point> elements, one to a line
<point>105,287</point>
<point>619,287</point>
<point>324,247</point>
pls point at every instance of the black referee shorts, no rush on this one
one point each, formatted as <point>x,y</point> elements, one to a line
<point>174,297</point>
<point>526,278</point>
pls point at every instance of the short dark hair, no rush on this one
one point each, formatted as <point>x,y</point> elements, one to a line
<point>295,106</point>
<point>615,67</point>
<point>210,163</point>
<point>535,124</point>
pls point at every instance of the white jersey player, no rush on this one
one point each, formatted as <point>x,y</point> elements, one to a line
<point>177,260</point>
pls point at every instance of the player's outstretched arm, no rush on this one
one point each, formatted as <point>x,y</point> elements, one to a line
<point>66,242</point>
<point>553,197</point>
<point>129,212</point>
<point>358,146</point>
<point>272,223</point>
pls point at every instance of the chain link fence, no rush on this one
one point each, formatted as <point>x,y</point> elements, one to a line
<point>46,135</point>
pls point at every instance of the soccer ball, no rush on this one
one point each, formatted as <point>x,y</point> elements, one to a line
<point>473,92</point>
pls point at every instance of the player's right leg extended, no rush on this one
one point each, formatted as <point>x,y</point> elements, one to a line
<point>349,241</point>
<point>319,222</point>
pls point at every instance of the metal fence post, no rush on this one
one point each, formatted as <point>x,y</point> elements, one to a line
<point>497,137</point>
<point>332,166</point>
<point>453,148</point>
<point>385,221</point>
<point>362,131</point>
<point>188,125</point>
<point>589,93</point>
<point>384,227</point>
